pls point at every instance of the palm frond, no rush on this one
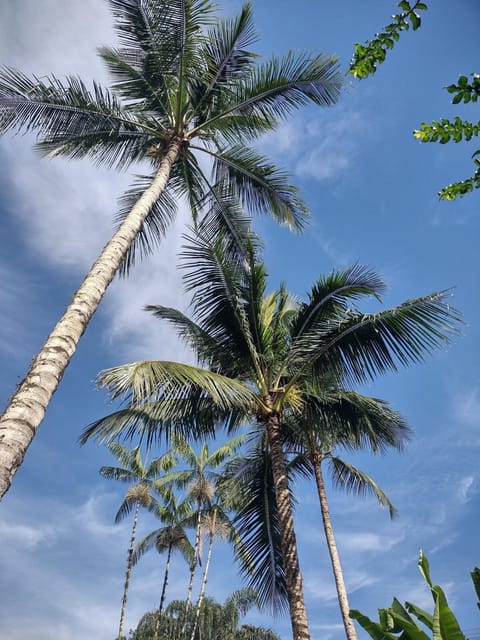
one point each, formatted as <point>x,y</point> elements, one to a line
<point>278,86</point>
<point>334,293</point>
<point>71,120</point>
<point>193,416</point>
<point>115,473</point>
<point>256,522</point>
<point>142,382</point>
<point>260,185</point>
<point>363,346</point>
<point>155,226</point>
<point>352,480</point>
<point>226,58</point>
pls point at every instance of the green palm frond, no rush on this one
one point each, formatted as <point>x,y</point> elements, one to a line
<point>256,522</point>
<point>143,381</point>
<point>115,473</point>
<point>363,346</point>
<point>335,417</point>
<point>193,416</point>
<point>72,120</point>
<point>226,58</point>
<point>335,293</point>
<point>272,90</point>
<point>155,226</point>
<point>260,185</point>
<point>352,480</point>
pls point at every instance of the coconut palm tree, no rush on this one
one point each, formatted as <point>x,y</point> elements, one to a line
<point>176,516</point>
<point>338,418</point>
<point>142,478</point>
<point>199,477</point>
<point>217,621</point>
<point>259,353</point>
<point>185,85</point>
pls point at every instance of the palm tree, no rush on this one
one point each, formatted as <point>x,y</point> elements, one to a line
<point>217,621</point>
<point>176,516</point>
<point>337,418</point>
<point>259,354</point>
<point>184,85</point>
<point>217,525</point>
<point>199,477</point>
<point>142,478</point>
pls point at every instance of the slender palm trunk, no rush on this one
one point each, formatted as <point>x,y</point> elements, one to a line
<point>193,566</point>
<point>350,631</point>
<point>20,421</point>
<point>164,591</point>
<point>205,573</point>
<point>293,576</point>
<point>129,570</point>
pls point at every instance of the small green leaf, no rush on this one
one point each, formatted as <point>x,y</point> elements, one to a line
<point>415,20</point>
<point>404,5</point>
<point>463,81</point>
<point>421,6</point>
<point>457,98</point>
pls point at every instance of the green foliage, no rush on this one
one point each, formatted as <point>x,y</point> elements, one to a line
<point>445,130</point>
<point>366,57</point>
<point>217,621</point>
<point>397,621</point>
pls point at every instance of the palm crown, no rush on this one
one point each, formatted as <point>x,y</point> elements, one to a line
<point>185,85</point>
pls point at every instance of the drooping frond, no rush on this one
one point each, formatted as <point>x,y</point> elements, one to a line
<point>193,416</point>
<point>260,185</point>
<point>143,382</point>
<point>258,528</point>
<point>334,417</point>
<point>352,480</point>
<point>155,226</point>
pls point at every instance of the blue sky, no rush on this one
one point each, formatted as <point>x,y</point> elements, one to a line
<point>372,191</point>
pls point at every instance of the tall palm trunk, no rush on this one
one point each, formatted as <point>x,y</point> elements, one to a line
<point>19,422</point>
<point>205,572</point>
<point>129,570</point>
<point>192,568</point>
<point>293,576</point>
<point>164,591</point>
<point>316,459</point>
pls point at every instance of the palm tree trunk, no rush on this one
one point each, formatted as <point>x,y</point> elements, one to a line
<point>205,573</point>
<point>350,631</point>
<point>164,590</point>
<point>192,569</point>
<point>129,570</point>
<point>293,576</point>
<point>19,422</point>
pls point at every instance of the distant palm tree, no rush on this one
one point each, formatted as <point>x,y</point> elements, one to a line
<point>185,85</point>
<point>176,516</point>
<point>216,622</point>
<point>259,353</point>
<point>199,478</point>
<point>142,478</point>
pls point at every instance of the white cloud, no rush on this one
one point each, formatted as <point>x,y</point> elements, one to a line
<point>319,148</point>
<point>466,407</point>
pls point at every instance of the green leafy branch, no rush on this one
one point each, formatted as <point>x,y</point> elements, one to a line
<point>366,57</point>
<point>445,130</point>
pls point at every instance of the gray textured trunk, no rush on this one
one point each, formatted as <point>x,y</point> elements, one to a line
<point>20,421</point>
<point>129,571</point>
<point>332,549</point>
<point>293,576</point>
